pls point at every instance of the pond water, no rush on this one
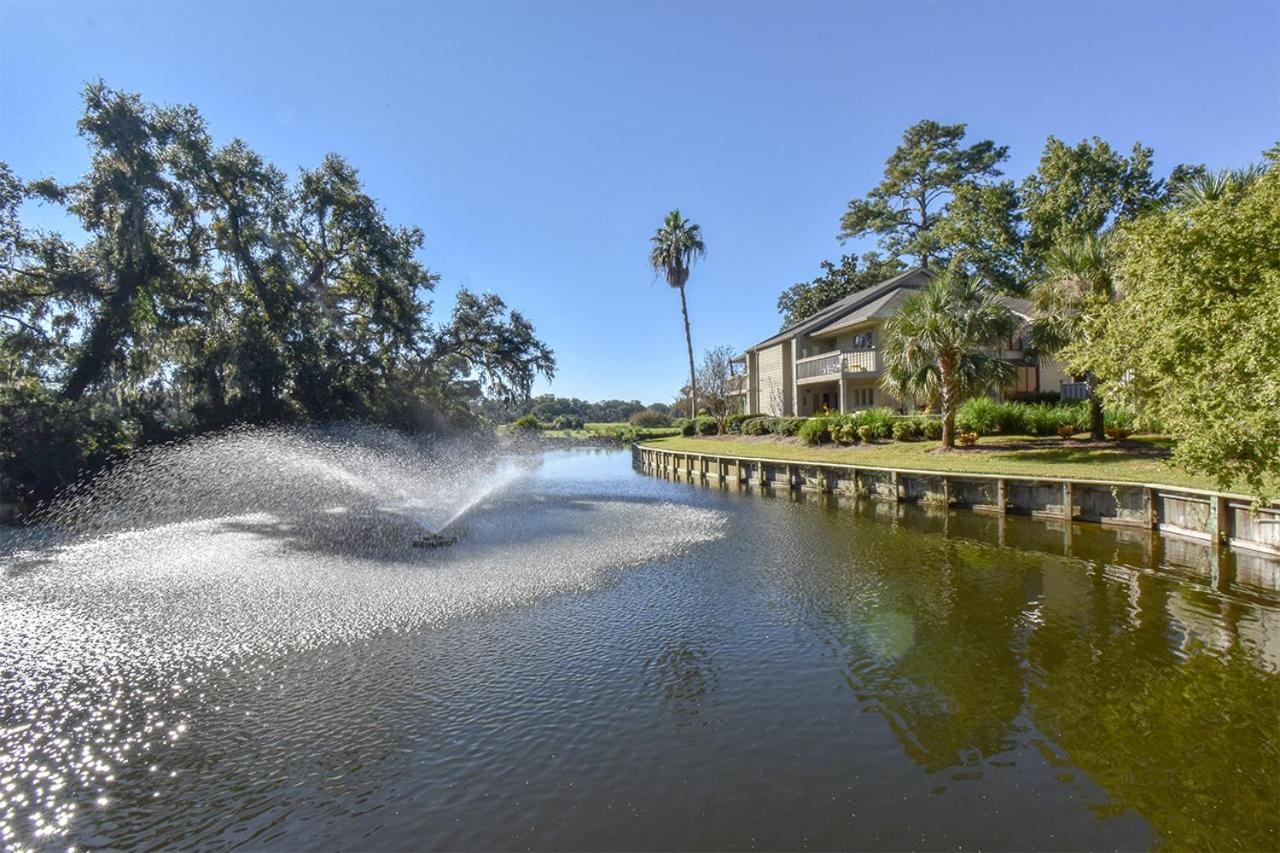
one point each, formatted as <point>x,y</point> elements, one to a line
<point>611,661</point>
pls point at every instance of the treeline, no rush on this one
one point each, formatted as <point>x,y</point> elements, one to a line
<point>211,287</point>
<point>547,407</point>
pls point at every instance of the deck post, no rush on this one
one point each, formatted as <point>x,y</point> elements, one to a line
<point>1153,507</point>
<point>897,489</point>
<point>1002,496</point>
<point>1219,519</point>
<point>791,477</point>
<point>1068,500</point>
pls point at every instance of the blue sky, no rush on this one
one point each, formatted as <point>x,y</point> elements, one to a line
<point>539,145</point>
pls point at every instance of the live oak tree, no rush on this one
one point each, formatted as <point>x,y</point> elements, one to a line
<point>1082,190</point>
<point>806,298</point>
<point>673,249</point>
<point>212,288</point>
<point>921,177</point>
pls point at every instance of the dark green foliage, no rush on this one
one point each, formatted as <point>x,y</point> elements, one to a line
<point>907,429</point>
<point>650,418</point>
<point>816,430</point>
<point>755,425</point>
<point>804,299</point>
<point>527,423</point>
<point>920,177</point>
<point>567,422</point>
<point>210,288</point>
<point>707,425</point>
<point>931,428</point>
<point>686,426</point>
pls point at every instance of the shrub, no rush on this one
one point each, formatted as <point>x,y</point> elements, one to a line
<point>867,432</point>
<point>706,425</point>
<point>734,422</point>
<point>931,428</point>
<point>979,415</point>
<point>567,422</point>
<point>685,426</point>
<point>849,433</point>
<point>967,439</point>
<point>880,420</point>
<point>1047,418</point>
<point>907,429</point>
<point>790,426</point>
<point>526,422</point>
<point>650,418</point>
<point>816,431</point>
<point>755,426</point>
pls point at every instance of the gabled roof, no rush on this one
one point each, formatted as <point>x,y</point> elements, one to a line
<point>833,315</point>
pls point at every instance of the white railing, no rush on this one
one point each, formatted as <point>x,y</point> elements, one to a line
<point>836,363</point>
<point>862,361</point>
<point>827,364</point>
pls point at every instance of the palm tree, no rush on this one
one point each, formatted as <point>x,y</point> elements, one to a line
<point>1076,279</point>
<point>944,344</point>
<point>673,249</point>
<point>1205,187</point>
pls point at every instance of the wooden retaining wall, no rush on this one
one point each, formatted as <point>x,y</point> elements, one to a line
<point>1226,519</point>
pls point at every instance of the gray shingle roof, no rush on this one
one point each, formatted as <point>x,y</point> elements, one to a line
<point>833,314</point>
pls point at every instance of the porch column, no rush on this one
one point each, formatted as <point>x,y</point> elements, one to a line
<point>840,382</point>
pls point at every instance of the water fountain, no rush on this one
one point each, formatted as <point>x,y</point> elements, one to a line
<point>206,557</point>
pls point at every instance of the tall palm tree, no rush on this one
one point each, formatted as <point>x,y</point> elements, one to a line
<point>1076,279</point>
<point>944,344</point>
<point>673,249</point>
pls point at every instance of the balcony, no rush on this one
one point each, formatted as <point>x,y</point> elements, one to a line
<point>735,386</point>
<point>830,366</point>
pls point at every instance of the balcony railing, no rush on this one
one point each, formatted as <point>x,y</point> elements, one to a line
<point>736,385</point>
<point>836,364</point>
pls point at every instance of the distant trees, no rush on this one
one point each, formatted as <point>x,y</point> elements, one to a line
<point>211,288</point>
<point>943,345</point>
<point>673,249</point>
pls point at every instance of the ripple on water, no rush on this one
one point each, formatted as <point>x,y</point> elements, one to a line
<point>104,632</point>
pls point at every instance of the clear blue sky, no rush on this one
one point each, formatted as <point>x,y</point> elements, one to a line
<point>538,146</point>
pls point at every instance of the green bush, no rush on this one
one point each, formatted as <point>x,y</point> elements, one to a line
<point>567,422</point>
<point>755,426</point>
<point>880,420</point>
<point>848,432</point>
<point>867,432</point>
<point>1048,418</point>
<point>907,429</point>
<point>931,428</point>
<point>686,426</point>
<point>816,431</point>
<point>707,425</point>
<point>733,423</point>
<point>978,414</point>
<point>526,423</point>
<point>790,426</point>
<point>650,418</point>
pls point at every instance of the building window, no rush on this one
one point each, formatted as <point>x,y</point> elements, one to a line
<point>861,397</point>
<point>1028,382</point>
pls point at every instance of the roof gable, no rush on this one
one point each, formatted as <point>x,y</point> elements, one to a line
<point>833,315</point>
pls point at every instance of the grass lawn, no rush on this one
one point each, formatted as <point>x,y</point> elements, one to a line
<point>1139,459</point>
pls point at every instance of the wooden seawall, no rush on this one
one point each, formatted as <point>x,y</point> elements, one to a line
<point>1226,520</point>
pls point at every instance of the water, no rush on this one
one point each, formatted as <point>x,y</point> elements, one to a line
<point>609,661</point>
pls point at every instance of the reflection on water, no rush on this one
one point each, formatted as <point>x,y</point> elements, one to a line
<point>703,669</point>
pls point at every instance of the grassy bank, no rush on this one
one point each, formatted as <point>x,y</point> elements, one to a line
<point>595,433</point>
<point>1141,459</point>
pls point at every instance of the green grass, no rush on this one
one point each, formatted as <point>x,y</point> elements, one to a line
<point>1137,460</point>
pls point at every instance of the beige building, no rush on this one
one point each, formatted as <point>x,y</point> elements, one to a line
<point>833,360</point>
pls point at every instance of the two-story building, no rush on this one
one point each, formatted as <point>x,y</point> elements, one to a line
<point>833,359</point>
